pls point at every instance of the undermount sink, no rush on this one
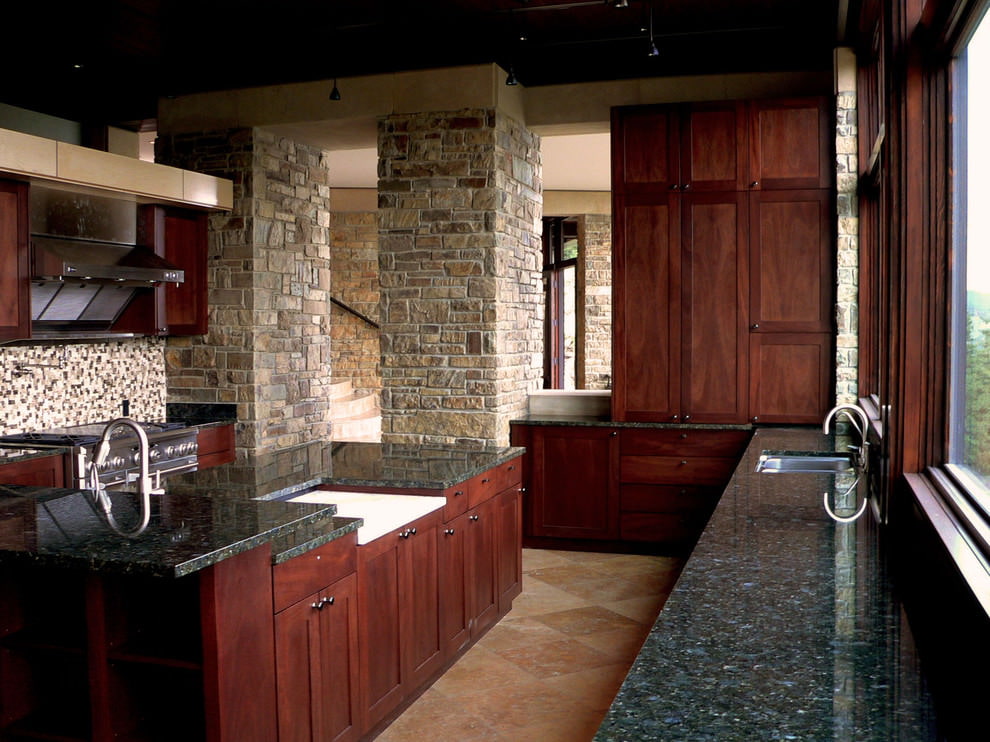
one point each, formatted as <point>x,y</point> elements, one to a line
<point>785,462</point>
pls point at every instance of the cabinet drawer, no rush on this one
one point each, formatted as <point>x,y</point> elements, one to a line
<point>683,442</point>
<point>310,572</point>
<point>667,528</point>
<point>482,487</point>
<point>508,474</point>
<point>457,501</point>
<point>675,470</point>
<point>665,498</point>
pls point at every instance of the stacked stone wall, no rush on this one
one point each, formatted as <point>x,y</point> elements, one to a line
<point>594,277</point>
<point>355,344</point>
<point>460,200</point>
<point>847,289</point>
<point>269,281</point>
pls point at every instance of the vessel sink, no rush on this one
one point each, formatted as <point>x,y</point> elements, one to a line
<point>784,462</point>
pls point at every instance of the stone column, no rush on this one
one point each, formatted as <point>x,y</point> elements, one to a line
<point>267,348</point>
<point>847,205</point>
<point>460,207</point>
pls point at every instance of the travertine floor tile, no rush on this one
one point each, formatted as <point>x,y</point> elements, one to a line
<point>550,669</point>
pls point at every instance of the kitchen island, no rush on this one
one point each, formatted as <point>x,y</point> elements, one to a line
<point>235,615</point>
<point>783,624</point>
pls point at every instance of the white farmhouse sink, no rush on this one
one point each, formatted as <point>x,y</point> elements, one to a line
<point>381,513</point>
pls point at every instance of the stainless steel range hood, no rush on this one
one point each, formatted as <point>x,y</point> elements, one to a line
<point>83,286</point>
<point>60,259</point>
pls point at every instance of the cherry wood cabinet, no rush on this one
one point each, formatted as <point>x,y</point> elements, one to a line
<point>215,445</point>
<point>790,305</point>
<point>44,471</point>
<point>316,644</point>
<point>15,296</point>
<point>398,617</point>
<point>670,481</point>
<point>85,656</point>
<point>723,262</point>
<point>180,237</point>
<point>573,483</point>
<point>622,484</point>
<point>790,143</point>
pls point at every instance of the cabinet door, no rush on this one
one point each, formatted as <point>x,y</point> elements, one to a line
<point>714,302</point>
<point>15,292</point>
<point>380,619</point>
<point>645,149</point>
<point>790,144</point>
<point>646,297</point>
<point>791,324</point>
<point>791,261</point>
<point>574,482</point>
<point>508,550</point>
<point>479,549</point>
<point>455,628</point>
<point>186,247</point>
<point>714,147</point>
<point>420,604</point>
<point>47,471</point>
<point>316,670</point>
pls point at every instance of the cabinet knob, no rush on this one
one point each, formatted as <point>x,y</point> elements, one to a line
<point>754,184</point>
<point>458,493</point>
<point>485,481</point>
<point>686,418</point>
<point>613,434</point>
<point>674,187</point>
<point>473,517</point>
<point>683,435</point>
<point>755,326</point>
<point>327,600</point>
<point>448,531</point>
<point>756,418</point>
<point>412,531</point>
<point>404,534</point>
<point>686,187</point>
<point>684,462</point>
<point>675,417</point>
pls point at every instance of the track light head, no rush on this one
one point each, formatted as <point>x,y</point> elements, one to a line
<point>511,78</point>
<point>335,93</point>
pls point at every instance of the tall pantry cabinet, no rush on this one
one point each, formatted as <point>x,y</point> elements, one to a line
<point>723,262</point>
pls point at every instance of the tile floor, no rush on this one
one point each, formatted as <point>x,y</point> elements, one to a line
<point>549,670</point>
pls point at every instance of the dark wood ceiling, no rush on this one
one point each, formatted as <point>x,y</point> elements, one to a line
<point>109,60</point>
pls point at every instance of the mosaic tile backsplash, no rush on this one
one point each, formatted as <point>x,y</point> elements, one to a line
<point>47,386</point>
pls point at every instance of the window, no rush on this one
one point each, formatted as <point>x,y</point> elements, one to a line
<point>969,433</point>
<point>560,253</point>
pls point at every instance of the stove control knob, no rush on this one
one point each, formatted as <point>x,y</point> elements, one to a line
<point>154,454</point>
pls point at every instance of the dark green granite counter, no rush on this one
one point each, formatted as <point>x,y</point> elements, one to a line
<point>65,528</point>
<point>783,625</point>
<point>209,515</point>
<point>599,421</point>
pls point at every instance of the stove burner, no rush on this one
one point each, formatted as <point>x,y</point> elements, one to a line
<point>51,439</point>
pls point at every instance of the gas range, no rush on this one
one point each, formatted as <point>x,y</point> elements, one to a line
<point>172,449</point>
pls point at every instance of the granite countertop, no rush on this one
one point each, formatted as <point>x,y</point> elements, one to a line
<point>64,528</point>
<point>209,515</point>
<point>606,421</point>
<point>783,625</point>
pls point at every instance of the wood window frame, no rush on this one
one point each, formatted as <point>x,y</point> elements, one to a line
<point>554,235</point>
<point>906,256</point>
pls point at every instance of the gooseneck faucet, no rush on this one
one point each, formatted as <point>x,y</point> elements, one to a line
<point>858,419</point>
<point>145,487</point>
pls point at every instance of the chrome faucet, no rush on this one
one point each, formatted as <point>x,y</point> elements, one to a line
<point>145,487</point>
<point>858,419</point>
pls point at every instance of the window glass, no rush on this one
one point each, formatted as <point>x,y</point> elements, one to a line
<point>970,428</point>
